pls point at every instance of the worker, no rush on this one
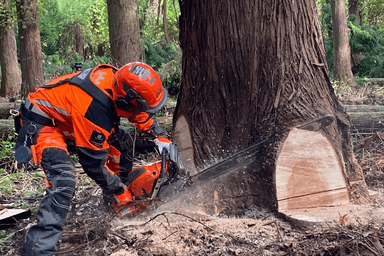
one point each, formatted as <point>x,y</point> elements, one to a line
<point>85,107</point>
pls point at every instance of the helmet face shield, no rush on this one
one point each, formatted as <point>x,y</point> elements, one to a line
<point>138,89</point>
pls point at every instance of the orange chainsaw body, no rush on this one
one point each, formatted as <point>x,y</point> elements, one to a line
<point>146,181</point>
<point>143,185</point>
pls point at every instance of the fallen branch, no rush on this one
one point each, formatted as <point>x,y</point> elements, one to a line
<point>176,213</point>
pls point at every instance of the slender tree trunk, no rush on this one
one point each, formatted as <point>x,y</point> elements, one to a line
<point>165,22</point>
<point>354,8</point>
<point>124,33</point>
<point>10,72</point>
<point>253,70</point>
<point>79,37</point>
<point>342,51</point>
<point>30,46</point>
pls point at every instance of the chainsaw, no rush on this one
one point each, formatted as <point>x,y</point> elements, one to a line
<point>146,181</point>
<point>150,179</point>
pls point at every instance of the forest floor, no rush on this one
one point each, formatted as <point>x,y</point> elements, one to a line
<point>92,229</point>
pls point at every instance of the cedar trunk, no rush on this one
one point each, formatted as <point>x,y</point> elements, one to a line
<point>124,32</point>
<point>342,51</point>
<point>30,46</point>
<point>254,70</point>
<point>10,72</point>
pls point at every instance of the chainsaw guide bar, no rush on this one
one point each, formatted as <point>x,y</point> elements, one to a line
<point>246,155</point>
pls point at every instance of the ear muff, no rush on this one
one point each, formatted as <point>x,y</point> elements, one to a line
<point>128,103</point>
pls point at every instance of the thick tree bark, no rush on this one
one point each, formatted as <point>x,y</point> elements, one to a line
<point>354,8</point>
<point>10,72</point>
<point>30,46</point>
<point>342,51</point>
<point>124,32</point>
<point>254,70</point>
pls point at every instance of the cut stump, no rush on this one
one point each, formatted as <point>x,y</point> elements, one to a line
<point>309,173</point>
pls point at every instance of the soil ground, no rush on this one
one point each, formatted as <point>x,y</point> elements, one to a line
<point>178,229</point>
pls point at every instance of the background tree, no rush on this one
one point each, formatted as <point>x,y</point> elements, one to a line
<point>354,8</point>
<point>124,33</point>
<point>252,70</point>
<point>30,46</point>
<point>10,72</point>
<point>342,51</point>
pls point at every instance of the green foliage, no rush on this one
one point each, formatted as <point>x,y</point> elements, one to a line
<point>170,72</point>
<point>96,29</point>
<point>373,12</point>
<point>366,43</point>
<point>54,65</point>
<point>7,146</point>
<point>364,39</point>
<point>4,236</point>
<point>6,184</point>
<point>370,66</point>
<point>326,19</point>
<point>151,21</point>
<point>328,45</point>
<point>50,25</point>
<point>156,54</point>
<point>57,21</point>
<point>12,181</point>
<point>7,13</point>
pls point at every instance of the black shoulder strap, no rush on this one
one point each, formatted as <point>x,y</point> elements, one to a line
<point>83,81</point>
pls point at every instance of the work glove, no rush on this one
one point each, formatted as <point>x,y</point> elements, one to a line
<point>124,198</point>
<point>164,143</point>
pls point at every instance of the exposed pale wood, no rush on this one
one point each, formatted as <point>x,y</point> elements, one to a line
<point>182,135</point>
<point>339,197</point>
<point>309,173</point>
<point>8,216</point>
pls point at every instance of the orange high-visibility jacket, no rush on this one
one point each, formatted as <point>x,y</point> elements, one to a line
<point>79,116</point>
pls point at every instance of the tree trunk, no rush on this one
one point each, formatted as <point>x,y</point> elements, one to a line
<point>354,8</point>
<point>165,22</point>
<point>10,72</point>
<point>124,32</point>
<point>79,40</point>
<point>30,46</point>
<point>342,52</point>
<point>253,70</point>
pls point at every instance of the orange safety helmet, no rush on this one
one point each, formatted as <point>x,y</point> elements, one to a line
<point>138,89</point>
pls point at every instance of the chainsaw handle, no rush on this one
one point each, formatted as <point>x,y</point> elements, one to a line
<point>161,175</point>
<point>163,163</point>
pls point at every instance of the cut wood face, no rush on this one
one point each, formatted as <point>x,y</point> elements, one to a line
<point>182,138</point>
<point>309,173</point>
